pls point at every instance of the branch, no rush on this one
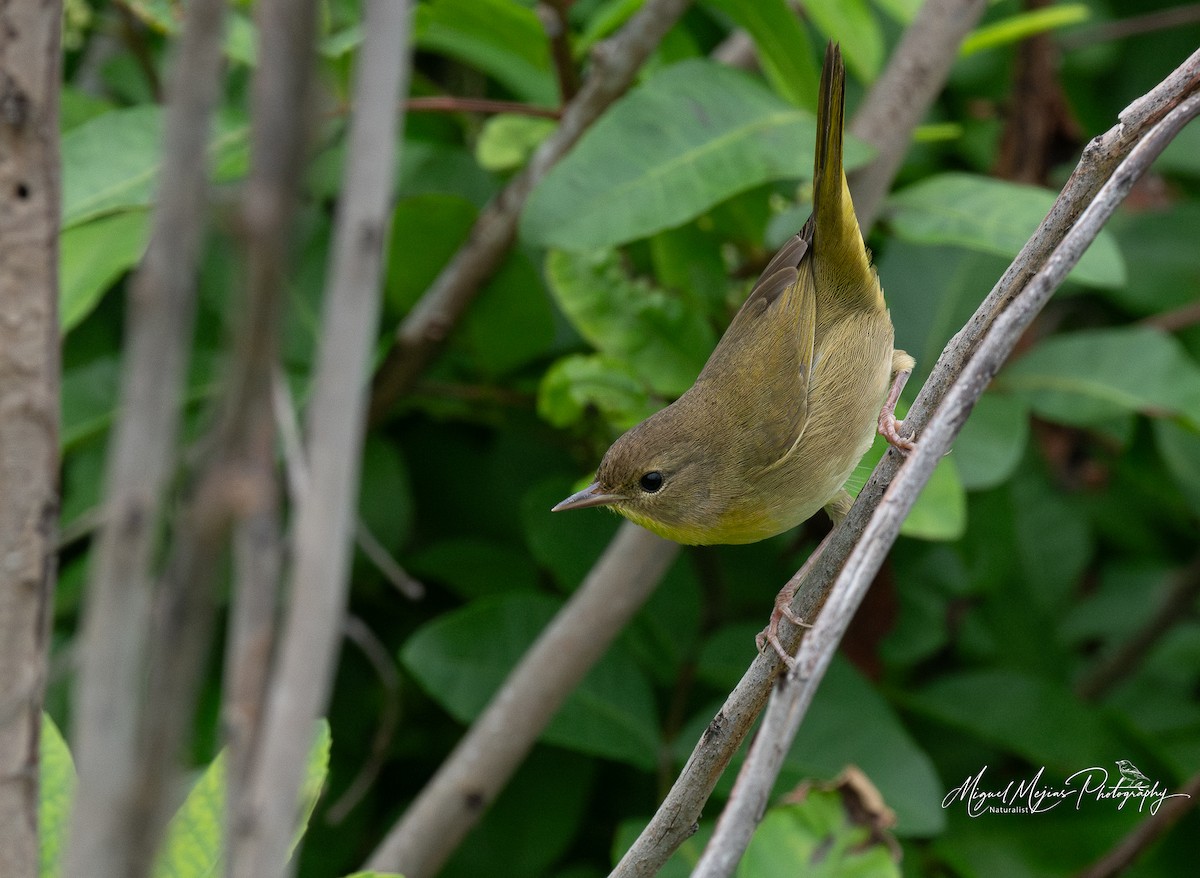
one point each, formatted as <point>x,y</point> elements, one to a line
<point>903,94</point>
<point>30,189</point>
<point>470,779</point>
<point>940,426</point>
<point>1122,856</point>
<point>118,805</point>
<point>1173,610</point>
<point>324,527</point>
<point>615,63</point>
<point>453,104</point>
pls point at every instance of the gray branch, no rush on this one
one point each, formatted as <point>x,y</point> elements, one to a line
<point>615,63</point>
<point>30,191</point>
<point>115,820</point>
<point>941,422</point>
<point>324,528</point>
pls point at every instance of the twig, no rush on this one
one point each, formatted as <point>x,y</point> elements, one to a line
<point>324,519</point>
<point>381,660</point>
<point>903,94</point>
<point>553,16</point>
<point>484,760</point>
<point>676,817</point>
<point>119,802</point>
<point>453,104</point>
<point>30,191</point>
<point>790,701</point>
<point>1113,669</point>
<point>1117,860</point>
<point>421,334</point>
<point>1175,319</point>
<point>1122,28</point>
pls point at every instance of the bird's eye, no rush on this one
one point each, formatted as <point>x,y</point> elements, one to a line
<point>651,482</point>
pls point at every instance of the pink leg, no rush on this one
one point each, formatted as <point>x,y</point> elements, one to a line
<point>783,610</point>
<point>889,427</point>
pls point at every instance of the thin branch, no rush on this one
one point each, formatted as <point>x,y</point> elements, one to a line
<point>1176,319</point>
<point>324,519</point>
<point>903,94</point>
<point>790,701</point>
<point>30,191</point>
<point>472,776</point>
<point>1175,608</point>
<point>615,63</point>
<point>1147,831</point>
<point>453,104</point>
<point>553,16</point>
<point>380,658</point>
<point>118,805</point>
<point>676,817</point>
<point>1123,28</point>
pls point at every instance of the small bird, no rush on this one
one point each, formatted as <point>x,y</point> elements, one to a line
<point>791,397</point>
<point>1131,776</point>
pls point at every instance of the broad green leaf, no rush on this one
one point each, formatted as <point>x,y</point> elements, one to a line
<point>902,11</point>
<point>1180,450</point>
<point>783,46</point>
<point>578,383</point>
<point>193,843</point>
<point>385,497</point>
<point>1168,273</point>
<point>691,137</point>
<point>92,256</point>
<point>462,658</point>
<point>111,162</point>
<point>511,322</point>
<point>851,23</point>
<point>1037,719</point>
<point>664,337</point>
<point>56,791</point>
<point>604,20</point>
<point>508,140</point>
<point>468,566</point>
<point>992,441</point>
<point>817,838</point>
<point>1054,540</point>
<point>89,394</point>
<point>1023,25</point>
<point>426,230</point>
<point>1089,377</point>
<point>992,216</point>
<point>565,545</point>
<point>499,37</point>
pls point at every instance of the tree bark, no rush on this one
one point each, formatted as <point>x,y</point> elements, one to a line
<point>29,377</point>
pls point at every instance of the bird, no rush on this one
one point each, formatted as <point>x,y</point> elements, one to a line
<point>1131,775</point>
<point>790,398</point>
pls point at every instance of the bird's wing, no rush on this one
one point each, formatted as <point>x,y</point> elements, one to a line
<point>764,360</point>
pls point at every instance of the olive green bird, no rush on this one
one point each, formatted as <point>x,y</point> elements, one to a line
<point>792,395</point>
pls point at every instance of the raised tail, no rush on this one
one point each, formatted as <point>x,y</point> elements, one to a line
<point>840,260</point>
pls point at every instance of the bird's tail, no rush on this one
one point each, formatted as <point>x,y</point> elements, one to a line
<point>841,264</point>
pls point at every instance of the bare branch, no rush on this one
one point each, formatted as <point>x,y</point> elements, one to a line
<point>1124,661</point>
<point>470,779</point>
<point>420,335</point>
<point>325,515</point>
<point>115,819</point>
<point>790,701</point>
<point>30,185</point>
<point>903,94</point>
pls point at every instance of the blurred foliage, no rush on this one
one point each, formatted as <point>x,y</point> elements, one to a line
<point>1066,514</point>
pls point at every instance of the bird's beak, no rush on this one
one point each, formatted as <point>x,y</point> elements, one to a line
<point>589,496</point>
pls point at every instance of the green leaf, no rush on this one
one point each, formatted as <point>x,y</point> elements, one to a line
<point>508,140</point>
<point>56,792</point>
<point>511,322</point>
<point>1180,450</point>
<point>468,567</point>
<point>1168,273</point>
<point>462,658</point>
<point>385,498</point>
<point>1039,720</point>
<point>992,441</point>
<point>663,337</point>
<point>1023,25</point>
<point>426,231</point>
<point>578,383</point>
<point>566,545</point>
<point>784,48</point>
<point>89,395</point>
<point>1087,378</point>
<point>817,838</point>
<point>166,17</point>
<point>193,844</point>
<point>500,38</point>
<point>92,256</point>
<point>689,138</point>
<point>111,162</point>
<point>992,216</point>
<point>853,24</point>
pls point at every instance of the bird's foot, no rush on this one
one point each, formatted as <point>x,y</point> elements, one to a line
<point>889,425</point>
<point>770,634</point>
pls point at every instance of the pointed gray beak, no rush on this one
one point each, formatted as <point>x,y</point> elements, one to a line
<point>589,496</point>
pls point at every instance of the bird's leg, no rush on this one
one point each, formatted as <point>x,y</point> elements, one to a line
<point>783,600</point>
<point>889,427</point>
